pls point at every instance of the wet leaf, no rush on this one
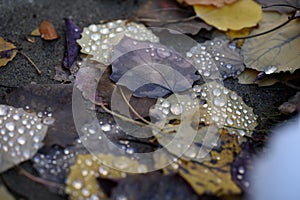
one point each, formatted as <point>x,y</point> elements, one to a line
<point>281,9</point>
<point>153,186</point>
<point>150,69</point>
<point>240,33</point>
<point>4,194</point>
<point>217,3</point>
<point>216,59</point>
<point>161,12</point>
<point>7,52</point>
<point>47,30</point>
<point>249,76</point>
<point>82,179</point>
<point>72,48</point>
<point>292,105</point>
<point>99,40</point>
<point>54,103</point>
<point>241,14</point>
<point>271,52</point>
<point>191,120</point>
<point>214,177</point>
<point>22,134</point>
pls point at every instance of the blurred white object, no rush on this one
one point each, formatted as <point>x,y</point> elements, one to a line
<point>277,172</point>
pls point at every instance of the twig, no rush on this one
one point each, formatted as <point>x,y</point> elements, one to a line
<point>31,62</point>
<point>290,85</point>
<point>39,180</point>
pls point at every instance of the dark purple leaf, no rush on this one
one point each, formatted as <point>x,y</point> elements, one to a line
<point>72,49</point>
<point>150,69</point>
<point>6,53</point>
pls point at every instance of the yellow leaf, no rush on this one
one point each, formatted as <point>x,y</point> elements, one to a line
<point>4,194</point>
<point>214,177</point>
<point>239,33</point>
<point>241,14</point>
<point>35,32</point>
<point>276,51</point>
<point>7,52</point>
<point>82,180</point>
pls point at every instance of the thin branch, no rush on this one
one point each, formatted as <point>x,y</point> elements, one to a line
<point>31,62</point>
<point>39,180</point>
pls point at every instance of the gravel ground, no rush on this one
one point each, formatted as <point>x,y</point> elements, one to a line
<point>19,17</point>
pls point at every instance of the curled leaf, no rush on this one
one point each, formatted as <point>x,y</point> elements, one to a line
<point>235,16</point>
<point>249,76</point>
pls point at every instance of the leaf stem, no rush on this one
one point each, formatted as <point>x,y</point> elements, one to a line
<point>31,62</point>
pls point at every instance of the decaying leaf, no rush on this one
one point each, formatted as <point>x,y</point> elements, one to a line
<point>53,103</point>
<point>214,177</point>
<point>168,14</point>
<point>235,16</point>
<point>153,186</point>
<point>217,3</point>
<point>292,105</point>
<point>281,9</point>
<point>47,30</point>
<point>72,48</point>
<point>7,52</point>
<point>82,179</point>
<point>249,76</point>
<point>35,32</point>
<point>4,194</point>
<point>216,59</point>
<point>21,136</point>
<point>99,40</point>
<point>151,69</point>
<point>276,51</point>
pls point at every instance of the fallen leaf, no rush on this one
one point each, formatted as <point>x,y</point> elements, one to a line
<point>72,34</point>
<point>217,3</point>
<point>281,9</point>
<point>168,14</point>
<point>4,194</point>
<point>82,179</point>
<point>99,40</point>
<point>153,186</point>
<point>235,16</point>
<point>214,177</point>
<point>150,69</point>
<point>237,34</point>
<point>21,137</point>
<point>292,105</point>
<point>54,103</point>
<point>7,52</point>
<point>47,30</point>
<point>216,59</point>
<point>191,124</point>
<point>249,76</point>
<point>272,52</point>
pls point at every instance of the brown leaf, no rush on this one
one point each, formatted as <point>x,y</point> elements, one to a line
<point>214,177</point>
<point>249,76</point>
<point>47,30</point>
<point>7,52</point>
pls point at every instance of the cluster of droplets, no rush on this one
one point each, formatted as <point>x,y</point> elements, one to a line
<point>82,180</point>
<point>216,59</point>
<point>21,135</point>
<point>225,109</point>
<point>99,40</point>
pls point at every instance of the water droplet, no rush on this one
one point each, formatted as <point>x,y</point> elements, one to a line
<point>21,140</point>
<point>10,126</point>
<point>104,31</point>
<point>163,53</point>
<point>228,66</point>
<point>270,69</point>
<point>241,170</point>
<point>48,120</point>
<point>105,127</point>
<point>121,163</point>
<point>233,96</point>
<point>3,110</point>
<point>85,192</point>
<point>220,102</point>
<point>176,109</point>
<point>216,92</point>
<point>93,28</point>
<point>95,36</point>
<point>77,184</point>
<point>189,54</point>
<point>103,171</point>
<point>229,121</point>
<point>16,117</point>
<point>165,104</point>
